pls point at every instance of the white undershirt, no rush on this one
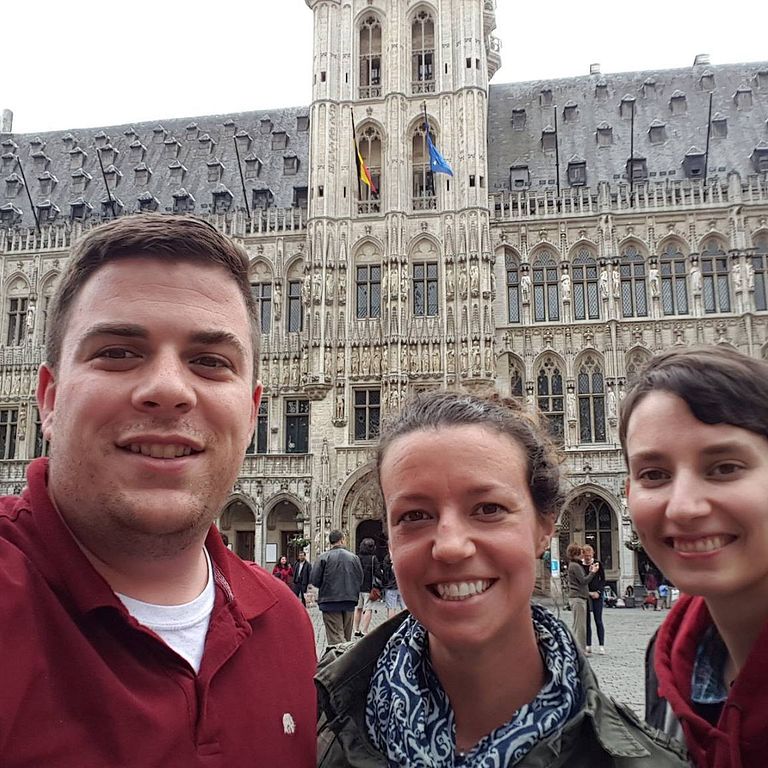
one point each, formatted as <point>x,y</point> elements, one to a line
<point>183,627</point>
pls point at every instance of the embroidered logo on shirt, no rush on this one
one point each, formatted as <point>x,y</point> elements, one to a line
<point>289,726</point>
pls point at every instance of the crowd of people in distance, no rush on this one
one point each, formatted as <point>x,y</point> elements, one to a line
<point>131,634</point>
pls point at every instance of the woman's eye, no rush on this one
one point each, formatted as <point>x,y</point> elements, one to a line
<point>491,510</point>
<point>652,475</point>
<point>727,468</point>
<point>413,516</point>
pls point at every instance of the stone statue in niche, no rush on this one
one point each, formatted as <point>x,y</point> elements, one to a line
<point>328,357</point>
<point>749,275</point>
<point>340,407</point>
<point>489,359</point>
<point>30,319</point>
<point>354,362</point>
<point>329,288</point>
<point>394,282</point>
<point>604,279</point>
<point>394,400</point>
<point>493,283</point>
<point>616,283</point>
<point>697,281</point>
<point>436,358</point>
<point>570,406</point>
<point>612,403</point>
<point>404,286</point>
<point>413,354</point>
<point>464,358</point>
<point>654,282</point>
<point>286,374</point>
<point>317,287</point>
<point>376,362</point>
<point>306,290</point>
<point>525,287</point>
<point>21,429</point>
<point>365,362</point>
<point>449,281</point>
<point>385,362</point>
<point>278,299</point>
<point>462,281</point>
<point>342,288</point>
<point>451,359</point>
<point>565,286</point>
<point>294,372</point>
<point>340,362</point>
<point>476,359</point>
<point>474,279</point>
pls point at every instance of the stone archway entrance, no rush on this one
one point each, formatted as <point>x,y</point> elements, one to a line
<point>372,529</point>
<point>238,523</point>
<point>361,514</point>
<point>282,526</point>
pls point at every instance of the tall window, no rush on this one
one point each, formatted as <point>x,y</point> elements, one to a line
<point>674,290</point>
<point>425,302</point>
<point>370,58</point>
<point>546,289</point>
<point>423,54</point>
<point>367,413</point>
<point>424,197</point>
<point>295,312</point>
<point>513,286</point>
<point>41,444</point>
<point>297,426</point>
<point>9,420</point>
<point>368,290</point>
<point>591,396</point>
<point>17,321</point>
<point>369,143</point>
<point>716,292</point>
<point>598,531</point>
<point>260,439</point>
<point>586,303</point>
<point>549,388</point>
<point>759,265</point>
<point>46,301</point>
<point>262,296</point>
<point>634,293</point>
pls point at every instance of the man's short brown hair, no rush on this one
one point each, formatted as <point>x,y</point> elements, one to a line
<point>154,236</point>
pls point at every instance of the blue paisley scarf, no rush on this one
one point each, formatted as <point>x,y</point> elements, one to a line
<point>410,720</point>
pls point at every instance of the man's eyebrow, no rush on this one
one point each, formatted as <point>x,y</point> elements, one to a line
<point>132,331</point>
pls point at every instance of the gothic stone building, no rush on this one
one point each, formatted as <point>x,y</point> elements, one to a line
<point>590,222</point>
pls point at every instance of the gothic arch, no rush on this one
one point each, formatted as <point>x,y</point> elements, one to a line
<point>543,247</point>
<point>635,360</point>
<point>295,266</point>
<point>599,358</point>
<point>260,270</point>
<point>676,240</point>
<point>429,8</point>
<point>369,122</point>
<point>239,521</point>
<point>416,241</point>
<point>363,244</point>
<point>349,483</point>
<point>361,500</point>
<point>581,244</point>
<point>548,353</point>
<point>280,497</point>
<point>504,250</point>
<point>417,123</point>
<point>714,234</point>
<point>51,276</point>
<point>635,242</point>
<point>242,498</point>
<point>13,284</point>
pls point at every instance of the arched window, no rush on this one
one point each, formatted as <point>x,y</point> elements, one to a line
<point>637,359</point>
<point>634,293</point>
<point>546,289</point>
<point>424,197</point>
<point>17,317</point>
<point>586,303</point>
<point>759,266</point>
<point>369,144</point>
<point>261,290</point>
<point>46,296</point>
<point>513,285</point>
<point>716,291</point>
<point>549,391</point>
<point>515,377</point>
<point>368,283</point>
<point>423,54</point>
<point>370,58</point>
<point>598,531</point>
<point>591,394</point>
<point>674,289</point>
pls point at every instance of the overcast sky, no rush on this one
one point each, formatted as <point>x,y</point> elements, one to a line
<point>88,63</point>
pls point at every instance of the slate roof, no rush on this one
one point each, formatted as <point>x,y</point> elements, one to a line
<point>194,146</point>
<point>598,100</point>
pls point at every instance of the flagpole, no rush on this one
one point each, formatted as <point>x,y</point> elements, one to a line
<point>357,156</point>
<point>242,178</point>
<point>106,185</point>
<point>29,195</point>
<point>557,155</point>
<point>426,145</point>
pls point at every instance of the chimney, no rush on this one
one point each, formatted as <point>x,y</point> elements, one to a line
<point>701,60</point>
<point>6,125</point>
<point>594,69</point>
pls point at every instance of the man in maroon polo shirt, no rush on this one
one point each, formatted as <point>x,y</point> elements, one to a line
<point>129,634</point>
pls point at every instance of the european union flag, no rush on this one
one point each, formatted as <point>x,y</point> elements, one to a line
<point>437,163</point>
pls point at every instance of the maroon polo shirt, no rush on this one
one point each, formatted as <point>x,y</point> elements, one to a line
<point>84,685</point>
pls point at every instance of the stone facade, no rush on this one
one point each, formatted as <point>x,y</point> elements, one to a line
<point>580,232</point>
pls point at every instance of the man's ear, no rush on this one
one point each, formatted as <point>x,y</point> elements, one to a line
<point>256,401</point>
<point>46,398</point>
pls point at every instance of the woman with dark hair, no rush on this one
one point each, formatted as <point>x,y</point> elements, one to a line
<point>473,674</point>
<point>694,429</point>
<point>283,570</point>
<point>370,590</point>
<point>578,592</point>
<point>596,598</point>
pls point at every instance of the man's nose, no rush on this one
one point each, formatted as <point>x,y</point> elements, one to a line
<point>165,385</point>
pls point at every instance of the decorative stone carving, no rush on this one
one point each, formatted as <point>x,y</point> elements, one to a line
<point>450,284</point>
<point>654,282</point>
<point>525,287</point>
<point>474,279</point>
<point>565,286</point>
<point>277,300</point>
<point>696,279</point>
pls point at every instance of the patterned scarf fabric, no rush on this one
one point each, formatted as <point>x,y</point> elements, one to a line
<point>410,720</point>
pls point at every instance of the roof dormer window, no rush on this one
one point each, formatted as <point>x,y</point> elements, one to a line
<point>743,97</point>
<point>290,165</point>
<point>627,107</point>
<point>265,125</point>
<point>142,174</point>
<point>215,170</point>
<point>279,140</point>
<point>678,104</point>
<point>109,154</point>
<point>243,140</point>
<point>694,163</point>
<point>80,180</point>
<point>101,140</point>
<point>205,145</point>
<point>230,127</point>
<point>13,185</point>
<point>77,158</point>
<point>10,215</point>
<point>222,199</point>
<point>545,97</point>
<point>548,138</point>
<point>518,119</point>
<point>183,202</point>
<point>719,126</point>
<point>171,147</point>
<point>252,167</point>
<point>192,131</point>
<point>158,134</point>
<point>707,80</point>
<point>137,151</point>
<point>178,171</point>
<point>657,132</point>
<point>47,183</point>
<point>604,134</point>
<point>148,202</point>
<point>570,111</point>
<point>79,209</point>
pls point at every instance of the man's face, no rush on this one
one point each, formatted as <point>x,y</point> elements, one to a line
<point>151,406</point>
<point>302,557</point>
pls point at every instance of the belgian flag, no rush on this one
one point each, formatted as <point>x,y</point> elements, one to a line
<point>363,174</point>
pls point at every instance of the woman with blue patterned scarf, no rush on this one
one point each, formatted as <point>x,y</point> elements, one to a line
<point>472,675</point>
